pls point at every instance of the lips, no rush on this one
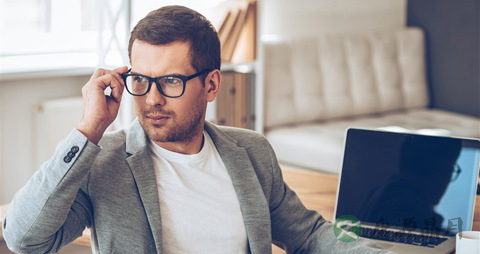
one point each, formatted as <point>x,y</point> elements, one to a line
<point>158,119</point>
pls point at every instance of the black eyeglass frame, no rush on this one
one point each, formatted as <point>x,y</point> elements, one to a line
<point>156,79</point>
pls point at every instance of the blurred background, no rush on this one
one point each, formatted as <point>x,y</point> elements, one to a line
<point>49,49</point>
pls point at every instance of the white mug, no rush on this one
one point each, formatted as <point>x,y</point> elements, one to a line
<point>468,243</point>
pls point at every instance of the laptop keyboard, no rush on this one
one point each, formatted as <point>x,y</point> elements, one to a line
<point>400,237</point>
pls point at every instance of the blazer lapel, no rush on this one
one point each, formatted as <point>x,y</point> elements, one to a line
<point>141,165</point>
<point>253,204</point>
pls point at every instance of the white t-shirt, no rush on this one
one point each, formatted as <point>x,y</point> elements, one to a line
<point>199,208</point>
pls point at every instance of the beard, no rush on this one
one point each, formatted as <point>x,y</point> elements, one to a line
<point>176,129</point>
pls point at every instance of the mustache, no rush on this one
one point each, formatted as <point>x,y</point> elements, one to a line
<point>157,111</point>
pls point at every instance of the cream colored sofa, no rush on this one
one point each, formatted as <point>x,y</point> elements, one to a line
<point>315,88</point>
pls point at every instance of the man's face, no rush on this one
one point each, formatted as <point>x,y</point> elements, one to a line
<point>168,119</point>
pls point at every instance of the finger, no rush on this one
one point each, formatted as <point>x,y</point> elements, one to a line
<point>117,86</point>
<point>109,80</point>
<point>117,91</point>
<point>116,73</point>
<point>98,73</point>
<point>118,77</point>
<point>121,70</point>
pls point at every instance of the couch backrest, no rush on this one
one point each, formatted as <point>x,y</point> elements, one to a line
<point>335,76</point>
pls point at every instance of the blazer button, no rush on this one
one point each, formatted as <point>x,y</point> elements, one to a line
<point>67,159</point>
<point>71,154</point>
<point>75,149</point>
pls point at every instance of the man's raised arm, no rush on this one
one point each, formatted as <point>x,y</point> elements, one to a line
<point>54,208</point>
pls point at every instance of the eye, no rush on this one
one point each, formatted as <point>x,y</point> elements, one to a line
<point>139,79</point>
<point>171,81</point>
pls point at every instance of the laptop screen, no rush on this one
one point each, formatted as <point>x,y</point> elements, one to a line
<point>409,182</point>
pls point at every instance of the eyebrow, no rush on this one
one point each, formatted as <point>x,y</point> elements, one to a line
<point>170,74</point>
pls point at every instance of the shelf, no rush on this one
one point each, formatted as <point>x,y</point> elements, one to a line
<point>243,67</point>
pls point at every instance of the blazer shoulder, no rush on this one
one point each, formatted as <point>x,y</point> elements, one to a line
<point>256,145</point>
<point>112,156</point>
<point>244,137</point>
<point>113,141</point>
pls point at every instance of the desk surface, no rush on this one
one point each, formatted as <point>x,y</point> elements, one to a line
<point>317,191</point>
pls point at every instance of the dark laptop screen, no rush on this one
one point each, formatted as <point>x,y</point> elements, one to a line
<point>409,182</point>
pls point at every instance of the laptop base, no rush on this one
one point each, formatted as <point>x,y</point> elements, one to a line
<point>446,247</point>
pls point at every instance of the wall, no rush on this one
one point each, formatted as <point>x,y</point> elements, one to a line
<point>18,99</point>
<point>453,51</point>
<point>311,17</point>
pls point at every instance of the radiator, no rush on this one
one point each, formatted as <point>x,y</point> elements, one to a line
<point>53,121</point>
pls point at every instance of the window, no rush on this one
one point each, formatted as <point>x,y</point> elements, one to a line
<point>47,26</point>
<point>59,34</point>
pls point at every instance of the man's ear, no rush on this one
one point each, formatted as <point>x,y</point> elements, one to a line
<point>213,82</point>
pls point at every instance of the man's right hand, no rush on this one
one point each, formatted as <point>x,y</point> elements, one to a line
<point>100,110</point>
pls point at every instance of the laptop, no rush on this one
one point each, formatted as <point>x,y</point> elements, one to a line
<point>411,193</point>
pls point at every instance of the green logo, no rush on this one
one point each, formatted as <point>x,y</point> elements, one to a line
<point>347,228</point>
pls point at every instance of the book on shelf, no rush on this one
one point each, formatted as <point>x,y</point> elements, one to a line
<point>246,44</point>
<point>236,26</point>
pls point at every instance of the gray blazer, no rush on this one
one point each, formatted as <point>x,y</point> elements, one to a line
<point>111,189</point>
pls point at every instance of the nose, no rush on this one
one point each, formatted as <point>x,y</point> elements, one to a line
<point>154,97</point>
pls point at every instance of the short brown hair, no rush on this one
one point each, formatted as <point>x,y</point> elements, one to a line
<point>178,23</point>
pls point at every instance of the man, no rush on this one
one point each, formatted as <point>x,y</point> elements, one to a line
<point>171,182</point>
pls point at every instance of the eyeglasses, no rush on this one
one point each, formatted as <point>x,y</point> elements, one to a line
<point>456,172</point>
<point>172,86</point>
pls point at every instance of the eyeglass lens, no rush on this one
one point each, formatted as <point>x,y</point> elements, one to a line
<point>171,86</point>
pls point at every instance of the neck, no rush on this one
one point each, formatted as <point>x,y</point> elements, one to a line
<point>192,146</point>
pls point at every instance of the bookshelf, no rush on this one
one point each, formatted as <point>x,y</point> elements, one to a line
<point>235,100</point>
<point>237,26</point>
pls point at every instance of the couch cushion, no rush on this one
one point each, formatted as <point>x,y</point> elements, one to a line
<point>319,146</point>
<point>336,76</point>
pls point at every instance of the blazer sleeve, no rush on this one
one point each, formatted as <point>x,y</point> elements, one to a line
<point>299,230</point>
<point>52,209</point>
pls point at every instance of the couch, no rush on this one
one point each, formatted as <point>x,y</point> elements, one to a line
<point>315,88</point>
